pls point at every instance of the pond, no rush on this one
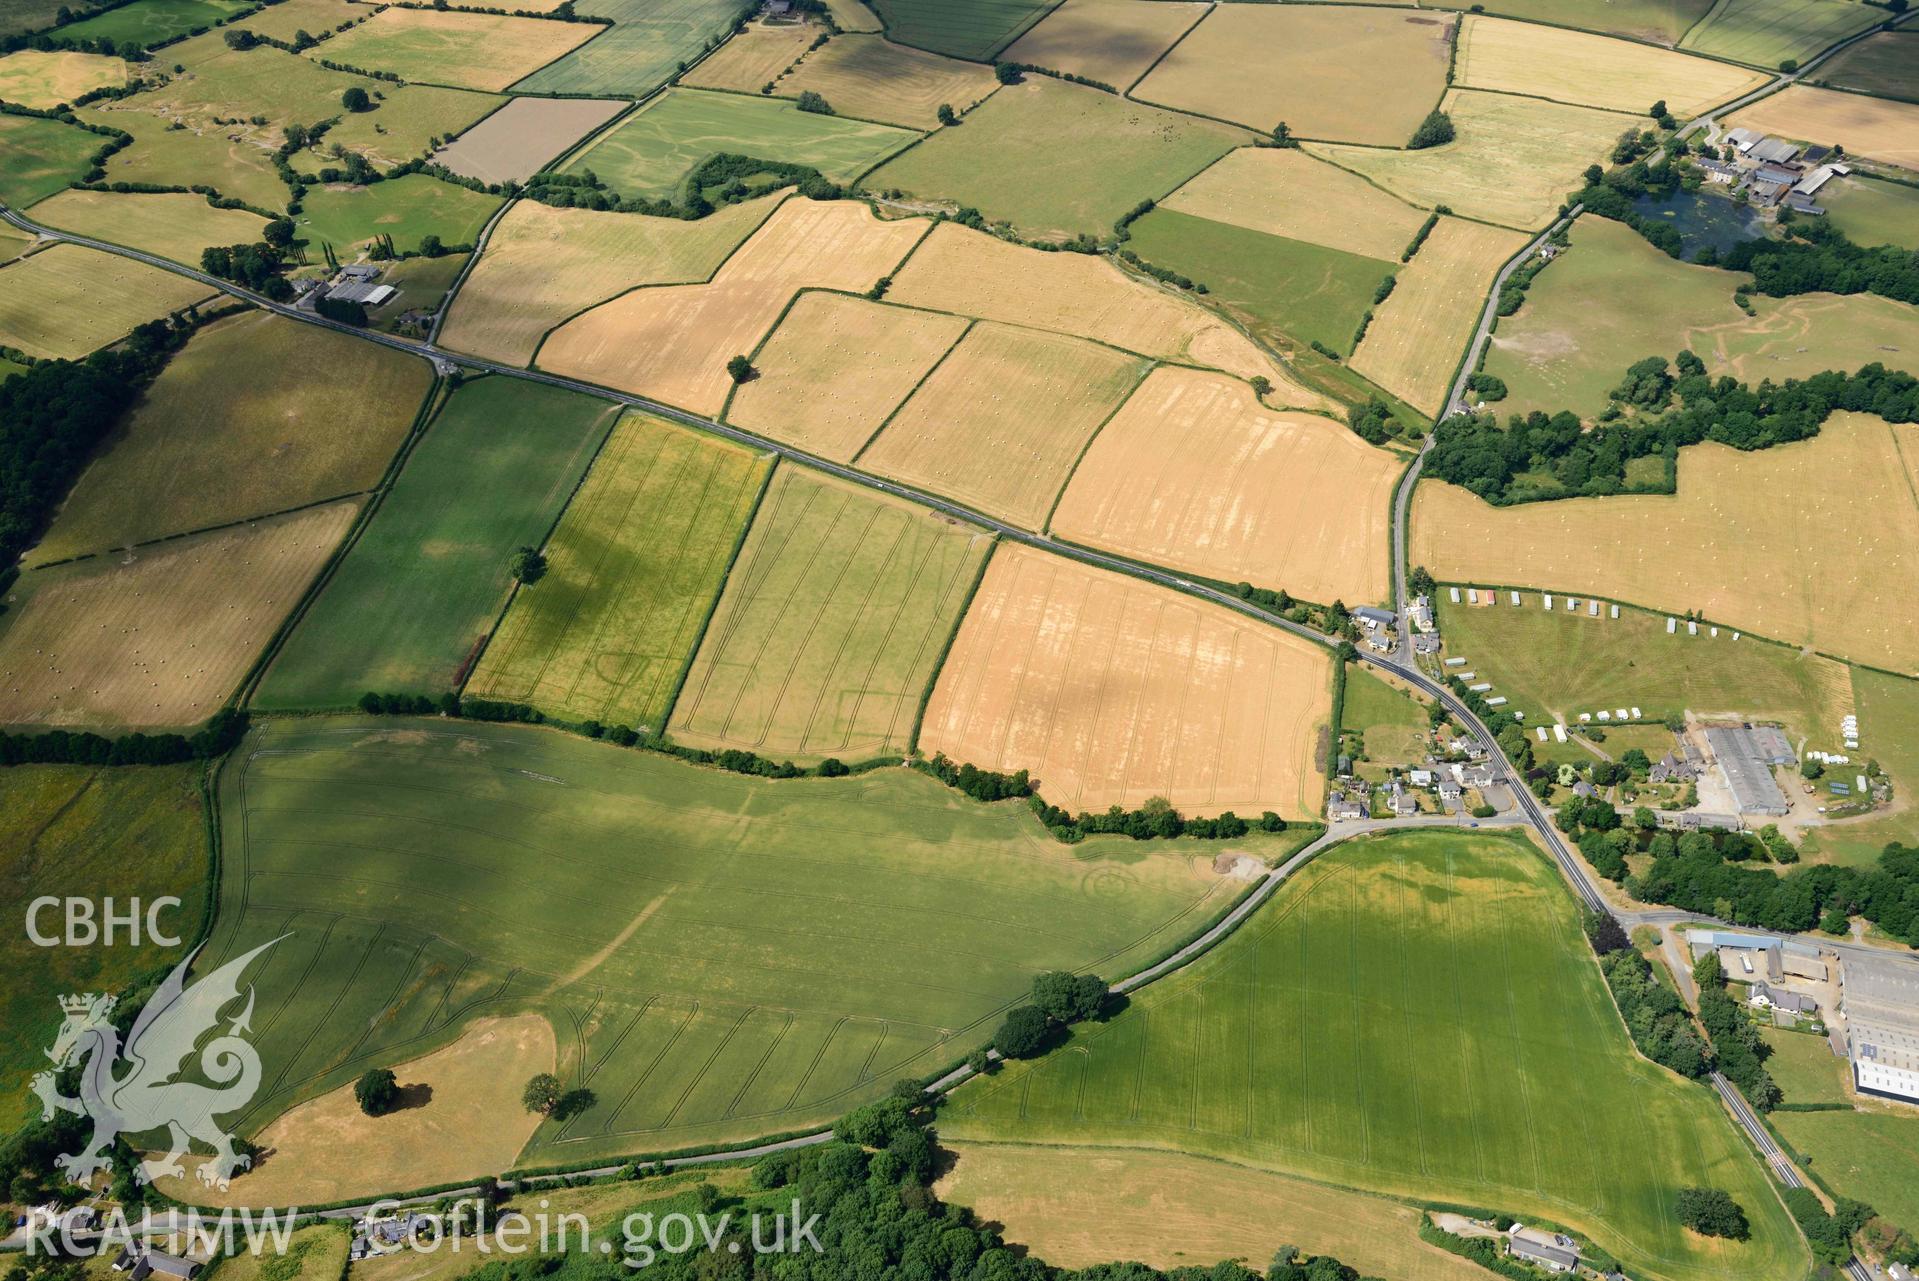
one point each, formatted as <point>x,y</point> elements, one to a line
<point>1703,219</point>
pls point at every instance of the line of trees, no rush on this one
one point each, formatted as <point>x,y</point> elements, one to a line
<point>1741,1051</point>
<point>65,747</point>
<point>1670,410</point>
<point>1656,1019</point>
<point>724,179</point>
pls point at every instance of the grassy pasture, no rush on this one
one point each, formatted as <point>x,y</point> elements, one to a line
<point>755,57</point>
<point>960,270</point>
<point>1193,473</point>
<point>426,580</point>
<point>172,225</point>
<point>724,957</point>
<point>39,157</point>
<point>833,617</point>
<point>1512,162</point>
<point>1554,666</point>
<point>975,29</point>
<point>287,19</point>
<point>238,85</point>
<point>1886,64</point>
<point>1590,70</point>
<point>69,830</point>
<point>1868,1154</point>
<point>634,568</point>
<point>1658,21</point>
<point>674,342</point>
<point>647,41</point>
<point>256,414</point>
<point>312,1254</point>
<point>875,79</point>
<point>12,245</point>
<point>464,50</point>
<point>67,301</point>
<point>1338,72</point>
<point>1114,691</point>
<point>1613,299</point>
<point>147,22</point>
<point>1417,1015</point>
<point>1273,285</point>
<point>853,15</point>
<point>836,367</point>
<point>544,264</point>
<point>1764,33</point>
<point>403,125</point>
<point>651,152</point>
<point>169,157</point>
<point>1419,333</point>
<point>1001,421</point>
<point>43,80</point>
<point>1798,543</point>
<point>1080,1206</point>
<point>1889,713</point>
<point>1871,212</point>
<point>1057,159</point>
<point>161,638</point>
<point>1389,720</point>
<point>1285,192</point>
<point>1873,127</point>
<point>517,141</point>
<point>1112,41</point>
<point>422,283</point>
<point>407,209</point>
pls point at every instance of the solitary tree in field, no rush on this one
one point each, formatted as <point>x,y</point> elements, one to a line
<point>542,1093</point>
<point>377,1091</point>
<point>1710,1212</point>
<point>947,115</point>
<point>1262,385</point>
<point>739,369</point>
<point>1006,73</point>
<point>813,102</point>
<point>528,566</point>
<point>355,99</point>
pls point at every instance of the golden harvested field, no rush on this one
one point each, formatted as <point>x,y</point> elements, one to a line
<point>46,79</point>
<point>465,50</point>
<point>1877,128</point>
<point>1345,73</point>
<point>1809,543</point>
<point>833,620</point>
<point>66,301</point>
<point>287,19</point>
<point>1513,161</point>
<point>159,638</point>
<point>1592,71</point>
<point>543,265</point>
<point>836,367</point>
<point>174,225</point>
<point>957,269</point>
<point>514,142</point>
<point>1194,474</point>
<point>1413,346</point>
<point>871,78</point>
<point>1285,192</point>
<point>256,414</point>
<point>1112,41</point>
<point>1075,1207</point>
<point>1114,691</point>
<point>673,342</point>
<point>632,572</point>
<point>471,1121</point>
<point>754,57</point>
<point>999,425</point>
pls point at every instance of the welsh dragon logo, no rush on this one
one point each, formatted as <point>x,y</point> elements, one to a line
<point>131,1090</point>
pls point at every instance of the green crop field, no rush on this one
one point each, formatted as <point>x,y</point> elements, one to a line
<point>428,577</point>
<point>648,40</point>
<point>1417,1015</point>
<point>1886,64</point>
<point>39,157</point>
<point>1272,284</point>
<point>722,957</point>
<point>132,831</point>
<point>1888,708</point>
<point>1566,663</point>
<point>1766,33</point>
<point>255,415</point>
<point>1057,159</point>
<point>975,29</point>
<point>148,22</point>
<point>405,208</point>
<point>1872,212</point>
<point>1612,299</point>
<point>651,152</point>
<point>634,568</point>
<point>832,620</point>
